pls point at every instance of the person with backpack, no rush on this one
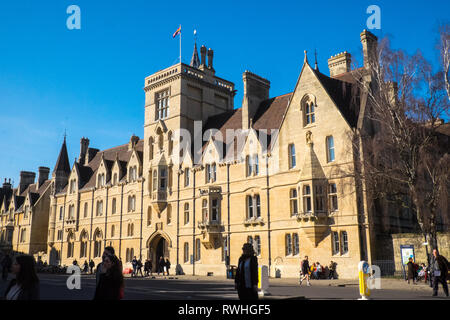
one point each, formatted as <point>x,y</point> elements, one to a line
<point>304,267</point>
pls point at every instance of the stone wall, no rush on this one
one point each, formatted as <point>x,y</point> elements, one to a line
<point>417,241</point>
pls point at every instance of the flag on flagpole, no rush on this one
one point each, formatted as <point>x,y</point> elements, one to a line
<point>177,32</point>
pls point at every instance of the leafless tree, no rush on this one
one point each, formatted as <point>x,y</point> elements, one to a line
<point>404,154</point>
<point>444,53</point>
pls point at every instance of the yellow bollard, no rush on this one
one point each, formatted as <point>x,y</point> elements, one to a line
<point>363,275</point>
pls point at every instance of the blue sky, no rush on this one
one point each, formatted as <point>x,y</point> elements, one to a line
<point>89,82</point>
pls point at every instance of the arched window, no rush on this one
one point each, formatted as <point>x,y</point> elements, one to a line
<point>70,245</point>
<point>85,212</point>
<point>98,243</point>
<point>249,162</point>
<point>310,113</point>
<point>257,245</point>
<point>163,179</point>
<point>214,210</point>
<point>61,213</point>
<point>83,244</point>
<point>113,229</point>
<point>162,105</point>
<point>115,179</point>
<point>250,207</point>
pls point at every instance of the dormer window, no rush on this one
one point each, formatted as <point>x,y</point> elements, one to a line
<point>252,165</point>
<point>72,186</point>
<point>133,174</point>
<point>115,179</point>
<point>210,173</point>
<point>101,180</point>
<point>308,107</point>
<point>162,104</point>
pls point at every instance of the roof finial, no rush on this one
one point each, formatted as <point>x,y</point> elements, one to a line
<point>306,57</point>
<point>195,61</point>
<point>315,63</point>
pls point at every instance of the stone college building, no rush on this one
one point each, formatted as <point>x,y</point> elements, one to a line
<point>277,172</point>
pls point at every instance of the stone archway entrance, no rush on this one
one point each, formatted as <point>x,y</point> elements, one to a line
<point>158,245</point>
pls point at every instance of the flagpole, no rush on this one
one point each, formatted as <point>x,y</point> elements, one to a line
<point>180,43</point>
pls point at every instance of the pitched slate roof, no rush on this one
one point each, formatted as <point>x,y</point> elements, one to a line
<point>62,164</point>
<point>88,172</point>
<point>267,117</point>
<point>345,95</point>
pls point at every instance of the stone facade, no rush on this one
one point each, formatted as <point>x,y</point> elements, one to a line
<point>297,195</point>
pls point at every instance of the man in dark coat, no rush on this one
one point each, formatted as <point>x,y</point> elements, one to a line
<point>246,279</point>
<point>91,265</point>
<point>167,265</point>
<point>410,271</point>
<point>161,265</point>
<point>439,271</point>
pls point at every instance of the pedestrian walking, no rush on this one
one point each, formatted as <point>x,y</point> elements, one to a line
<point>134,264</point>
<point>161,265</point>
<point>410,271</point>
<point>6,266</point>
<point>146,268</point>
<point>107,251</point>
<point>304,267</point>
<point>111,284</point>
<point>25,286</point>
<point>85,267</point>
<point>167,265</point>
<point>439,271</point>
<point>246,279</point>
<point>91,266</point>
<point>139,267</point>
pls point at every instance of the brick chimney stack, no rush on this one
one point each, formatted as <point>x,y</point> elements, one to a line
<point>84,145</point>
<point>43,175</point>
<point>369,44</point>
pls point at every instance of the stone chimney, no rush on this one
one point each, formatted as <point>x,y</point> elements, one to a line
<point>133,141</point>
<point>6,185</point>
<point>340,63</point>
<point>256,90</point>
<point>369,44</point>
<point>202,55</point>
<point>91,152</point>
<point>43,175</point>
<point>84,145</point>
<point>210,59</point>
<point>26,178</point>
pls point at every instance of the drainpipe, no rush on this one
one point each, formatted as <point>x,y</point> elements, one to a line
<point>142,214</point>
<point>120,228</point>
<point>268,211</point>
<point>178,216</point>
